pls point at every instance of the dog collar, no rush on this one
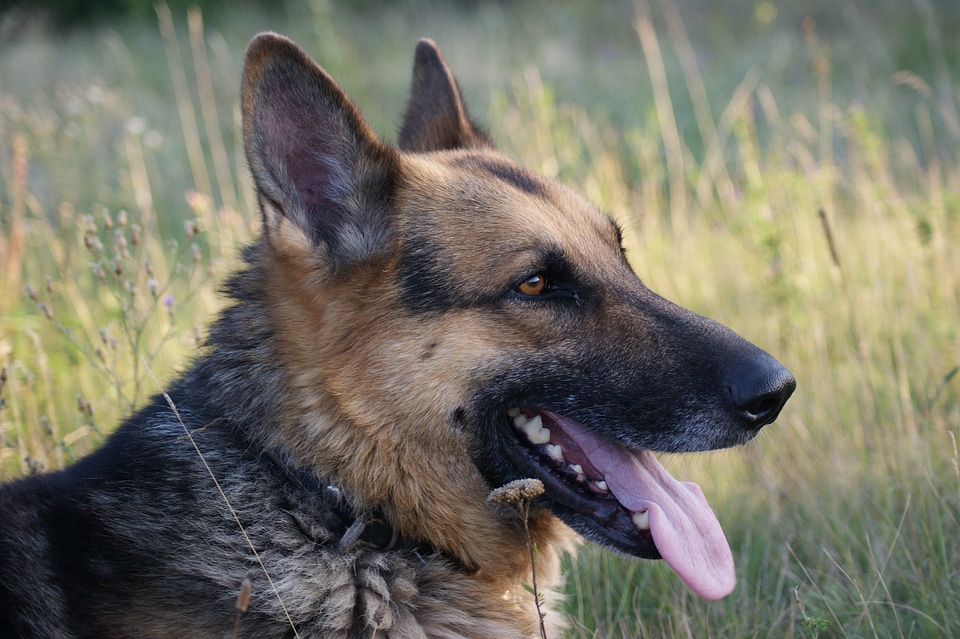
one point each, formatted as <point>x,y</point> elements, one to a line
<point>368,528</point>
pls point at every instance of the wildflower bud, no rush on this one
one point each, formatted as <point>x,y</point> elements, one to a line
<point>47,311</point>
<point>99,353</point>
<point>135,231</point>
<point>196,254</point>
<point>153,287</point>
<point>148,267</point>
<point>122,218</point>
<point>49,284</point>
<point>3,376</point>
<point>35,466</point>
<point>31,293</point>
<point>107,221</point>
<point>98,273</point>
<point>88,241</point>
<point>118,266</point>
<point>103,335</point>
<point>189,228</point>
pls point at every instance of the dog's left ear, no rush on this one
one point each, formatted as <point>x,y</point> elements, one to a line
<point>324,180</point>
<point>436,118</point>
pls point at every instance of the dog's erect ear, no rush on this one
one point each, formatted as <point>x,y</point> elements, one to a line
<point>436,118</point>
<point>314,159</point>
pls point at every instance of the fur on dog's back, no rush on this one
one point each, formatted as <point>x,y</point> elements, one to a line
<point>404,314</point>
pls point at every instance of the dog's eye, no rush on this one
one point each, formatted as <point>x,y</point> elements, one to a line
<point>534,285</point>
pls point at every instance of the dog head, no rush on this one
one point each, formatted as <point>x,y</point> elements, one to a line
<point>452,322</point>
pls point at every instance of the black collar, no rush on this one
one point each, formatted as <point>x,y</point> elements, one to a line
<point>369,527</point>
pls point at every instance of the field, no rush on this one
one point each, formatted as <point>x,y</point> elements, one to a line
<point>793,173</point>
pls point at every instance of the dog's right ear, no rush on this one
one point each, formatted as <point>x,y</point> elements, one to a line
<point>323,178</point>
<point>436,118</point>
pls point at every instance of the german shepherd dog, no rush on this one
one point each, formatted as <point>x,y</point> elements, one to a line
<point>416,326</point>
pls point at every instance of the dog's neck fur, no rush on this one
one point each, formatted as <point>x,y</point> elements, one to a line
<point>324,439</point>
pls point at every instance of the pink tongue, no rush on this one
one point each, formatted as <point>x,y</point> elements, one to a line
<point>682,524</point>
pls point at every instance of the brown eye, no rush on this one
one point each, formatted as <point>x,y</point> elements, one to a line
<point>535,285</point>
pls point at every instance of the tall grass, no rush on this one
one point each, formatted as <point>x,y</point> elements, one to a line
<point>802,194</point>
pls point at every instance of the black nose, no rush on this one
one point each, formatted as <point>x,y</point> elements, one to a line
<point>760,390</point>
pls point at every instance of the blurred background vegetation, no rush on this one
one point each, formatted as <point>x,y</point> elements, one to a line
<point>790,169</point>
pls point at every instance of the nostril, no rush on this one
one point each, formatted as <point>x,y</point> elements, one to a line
<point>760,402</point>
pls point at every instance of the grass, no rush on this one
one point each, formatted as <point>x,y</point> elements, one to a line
<point>797,179</point>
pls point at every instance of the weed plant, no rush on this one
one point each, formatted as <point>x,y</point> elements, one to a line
<point>800,184</point>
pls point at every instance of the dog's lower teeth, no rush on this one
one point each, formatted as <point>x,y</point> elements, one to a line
<point>641,519</point>
<point>599,487</point>
<point>555,452</point>
<point>577,468</point>
<point>534,429</point>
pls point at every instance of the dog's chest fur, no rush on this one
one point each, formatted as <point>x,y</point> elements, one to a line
<point>316,569</point>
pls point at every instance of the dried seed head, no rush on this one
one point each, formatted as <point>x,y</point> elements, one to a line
<point>243,599</point>
<point>107,221</point>
<point>121,218</point>
<point>516,492</point>
<point>49,284</point>
<point>135,231</point>
<point>31,293</point>
<point>118,266</point>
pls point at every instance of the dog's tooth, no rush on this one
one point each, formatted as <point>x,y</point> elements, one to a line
<point>519,420</point>
<point>535,430</point>
<point>577,468</point>
<point>641,519</point>
<point>599,486</point>
<point>513,412</point>
<point>555,452</point>
<point>540,436</point>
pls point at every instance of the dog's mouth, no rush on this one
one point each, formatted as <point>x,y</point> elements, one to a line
<point>624,498</point>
